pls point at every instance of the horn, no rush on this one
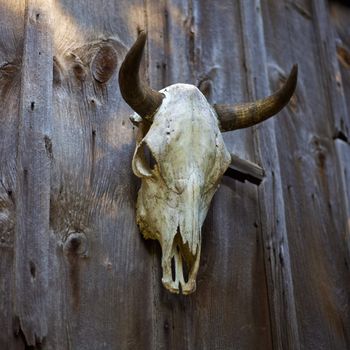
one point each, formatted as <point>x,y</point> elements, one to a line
<point>232,117</point>
<point>140,97</point>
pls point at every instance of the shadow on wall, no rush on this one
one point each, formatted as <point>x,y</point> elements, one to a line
<point>342,2</point>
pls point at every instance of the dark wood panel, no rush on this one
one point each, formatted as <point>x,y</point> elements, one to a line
<point>340,17</point>
<point>343,152</point>
<point>331,72</point>
<point>314,209</point>
<point>271,200</point>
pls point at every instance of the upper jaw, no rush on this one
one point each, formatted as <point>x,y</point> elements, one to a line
<point>180,268</point>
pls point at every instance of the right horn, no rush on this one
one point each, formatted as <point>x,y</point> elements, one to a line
<point>232,117</point>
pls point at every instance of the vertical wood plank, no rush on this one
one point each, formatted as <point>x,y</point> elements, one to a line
<point>33,175</point>
<point>340,17</point>
<point>11,47</point>
<point>271,200</point>
<point>314,208</point>
<point>157,58</point>
<point>101,281</point>
<point>343,152</point>
<point>332,81</point>
<point>157,63</point>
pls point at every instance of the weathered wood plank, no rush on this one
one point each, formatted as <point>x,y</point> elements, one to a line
<point>340,17</point>
<point>313,200</point>
<point>271,200</point>
<point>158,36</point>
<point>101,267</point>
<point>326,39</point>
<point>343,152</point>
<point>11,46</point>
<point>33,176</point>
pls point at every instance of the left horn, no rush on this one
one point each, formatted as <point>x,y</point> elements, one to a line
<point>232,117</point>
<point>139,96</point>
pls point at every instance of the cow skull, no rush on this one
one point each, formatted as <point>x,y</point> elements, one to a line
<point>181,133</point>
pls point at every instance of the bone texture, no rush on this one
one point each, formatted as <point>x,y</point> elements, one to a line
<point>190,157</point>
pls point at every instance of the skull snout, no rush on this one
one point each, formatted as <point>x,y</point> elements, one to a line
<point>181,255</point>
<point>180,266</point>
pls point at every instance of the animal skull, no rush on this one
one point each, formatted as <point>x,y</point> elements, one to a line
<point>190,158</point>
<point>182,134</point>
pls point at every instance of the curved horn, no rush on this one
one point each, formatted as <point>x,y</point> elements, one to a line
<point>140,97</point>
<point>232,117</point>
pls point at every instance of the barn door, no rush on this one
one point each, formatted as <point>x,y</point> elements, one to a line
<point>75,272</point>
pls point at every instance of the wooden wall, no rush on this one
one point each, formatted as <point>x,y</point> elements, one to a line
<point>74,271</point>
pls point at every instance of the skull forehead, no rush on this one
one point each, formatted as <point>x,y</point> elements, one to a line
<point>185,136</point>
<point>185,106</point>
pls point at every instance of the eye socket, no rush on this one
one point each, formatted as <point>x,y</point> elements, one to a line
<point>143,163</point>
<point>152,160</point>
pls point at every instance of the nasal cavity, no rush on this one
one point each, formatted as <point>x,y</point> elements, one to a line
<point>173,269</point>
<point>183,254</point>
<point>185,269</point>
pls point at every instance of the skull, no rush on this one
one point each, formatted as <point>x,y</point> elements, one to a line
<point>181,133</point>
<point>190,157</point>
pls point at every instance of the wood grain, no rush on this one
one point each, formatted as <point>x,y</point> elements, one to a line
<point>101,267</point>
<point>11,46</point>
<point>74,268</point>
<point>315,218</point>
<point>271,200</point>
<point>343,152</point>
<point>339,16</point>
<point>33,176</point>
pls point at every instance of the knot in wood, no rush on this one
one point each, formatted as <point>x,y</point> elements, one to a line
<point>76,243</point>
<point>104,64</point>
